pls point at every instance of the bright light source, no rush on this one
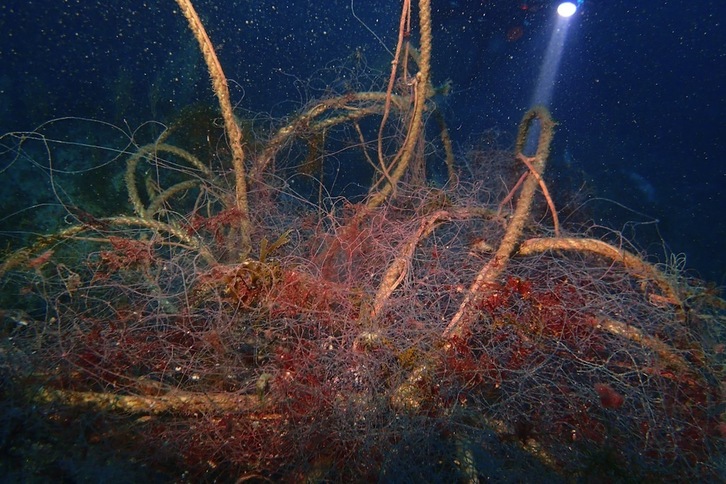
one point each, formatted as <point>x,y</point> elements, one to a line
<point>566,9</point>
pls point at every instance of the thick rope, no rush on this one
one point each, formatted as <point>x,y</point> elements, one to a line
<point>234,134</point>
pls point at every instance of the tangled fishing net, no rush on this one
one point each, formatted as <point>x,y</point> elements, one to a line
<point>239,321</point>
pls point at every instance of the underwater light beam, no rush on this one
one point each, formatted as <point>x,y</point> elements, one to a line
<point>548,72</point>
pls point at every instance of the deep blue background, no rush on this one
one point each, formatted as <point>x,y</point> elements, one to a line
<point>640,95</point>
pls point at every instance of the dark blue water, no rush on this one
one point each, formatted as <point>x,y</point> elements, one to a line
<point>639,96</point>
